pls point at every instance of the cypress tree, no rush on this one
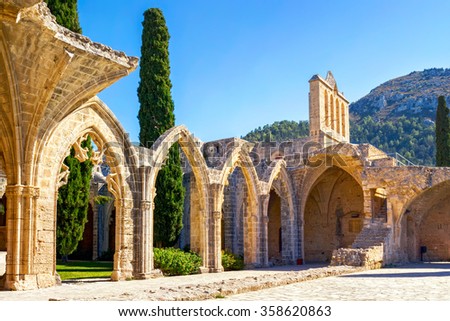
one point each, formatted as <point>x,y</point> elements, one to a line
<point>442,133</point>
<point>73,202</point>
<point>66,13</point>
<point>156,115</point>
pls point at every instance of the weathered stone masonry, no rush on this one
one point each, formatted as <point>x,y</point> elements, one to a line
<point>273,203</point>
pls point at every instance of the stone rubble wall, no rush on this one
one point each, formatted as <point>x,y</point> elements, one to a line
<point>369,258</point>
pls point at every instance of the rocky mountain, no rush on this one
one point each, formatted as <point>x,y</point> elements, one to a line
<point>413,95</point>
<point>397,117</point>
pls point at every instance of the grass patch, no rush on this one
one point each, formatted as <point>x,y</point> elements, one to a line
<point>84,270</point>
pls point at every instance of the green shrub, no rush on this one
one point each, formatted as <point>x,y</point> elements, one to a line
<point>176,262</point>
<point>232,261</point>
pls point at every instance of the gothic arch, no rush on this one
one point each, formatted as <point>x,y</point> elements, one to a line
<point>191,148</point>
<point>239,157</point>
<point>92,118</point>
<point>314,174</point>
<point>279,181</point>
<point>338,116</point>
<point>9,122</point>
<point>334,195</point>
<point>425,221</point>
<point>327,109</point>
<point>332,110</point>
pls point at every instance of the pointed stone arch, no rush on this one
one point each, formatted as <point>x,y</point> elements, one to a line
<point>425,222</point>
<point>277,178</point>
<point>240,157</point>
<point>95,119</point>
<point>333,195</point>
<point>152,161</point>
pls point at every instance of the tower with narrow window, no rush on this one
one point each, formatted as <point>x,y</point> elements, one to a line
<point>328,111</point>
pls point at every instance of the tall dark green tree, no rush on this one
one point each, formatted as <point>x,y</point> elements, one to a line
<point>66,13</point>
<point>73,202</point>
<point>442,133</point>
<point>156,115</point>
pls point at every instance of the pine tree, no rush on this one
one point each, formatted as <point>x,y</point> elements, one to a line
<point>156,115</point>
<point>66,13</point>
<point>442,133</point>
<point>73,202</point>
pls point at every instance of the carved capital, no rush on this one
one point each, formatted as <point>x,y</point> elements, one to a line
<point>217,215</point>
<point>31,191</point>
<point>146,205</point>
<point>14,190</point>
<point>20,190</point>
<point>126,203</point>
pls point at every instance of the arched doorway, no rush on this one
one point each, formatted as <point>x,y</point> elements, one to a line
<point>426,225</point>
<point>275,237</point>
<point>332,214</point>
<point>238,208</point>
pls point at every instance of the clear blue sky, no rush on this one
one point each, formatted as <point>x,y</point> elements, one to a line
<point>240,64</point>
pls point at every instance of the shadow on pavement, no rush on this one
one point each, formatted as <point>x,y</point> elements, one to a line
<point>444,271</point>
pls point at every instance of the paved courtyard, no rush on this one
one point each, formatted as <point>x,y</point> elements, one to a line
<point>412,282</point>
<point>428,281</point>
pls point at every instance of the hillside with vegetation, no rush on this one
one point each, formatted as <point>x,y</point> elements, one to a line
<point>279,131</point>
<point>411,137</point>
<point>412,95</point>
<point>398,116</point>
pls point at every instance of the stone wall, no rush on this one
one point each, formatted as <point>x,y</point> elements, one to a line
<point>371,258</point>
<point>434,232</point>
<point>333,215</point>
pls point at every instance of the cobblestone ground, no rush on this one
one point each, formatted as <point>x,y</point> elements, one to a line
<point>413,282</point>
<point>410,282</point>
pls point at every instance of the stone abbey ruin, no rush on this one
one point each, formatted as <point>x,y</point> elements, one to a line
<point>318,199</point>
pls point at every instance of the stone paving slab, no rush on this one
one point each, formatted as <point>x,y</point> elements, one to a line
<point>193,287</point>
<point>412,282</point>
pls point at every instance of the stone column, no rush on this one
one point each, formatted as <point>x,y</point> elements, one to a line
<point>145,266</point>
<point>264,207</point>
<point>123,256</point>
<point>215,242</point>
<point>95,234</point>
<point>21,209</point>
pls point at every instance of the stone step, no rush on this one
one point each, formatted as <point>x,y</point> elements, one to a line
<point>371,236</point>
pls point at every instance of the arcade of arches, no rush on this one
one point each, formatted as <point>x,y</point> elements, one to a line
<point>270,210</point>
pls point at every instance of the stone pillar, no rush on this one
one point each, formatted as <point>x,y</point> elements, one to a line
<point>95,233</point>
<point>123,256</point>
<point>145,265</point>
<point>21,209</point>
<point>215,242</point>
<point>264,247</point>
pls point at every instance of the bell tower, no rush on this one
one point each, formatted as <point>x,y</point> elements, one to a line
<point>328,111</point>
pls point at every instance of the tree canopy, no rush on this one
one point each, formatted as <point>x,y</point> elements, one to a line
<point>66,13</point>
<point>412,137</point>
<point>73,202</point>
<point>156,115</point>
<point>442,133</point>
